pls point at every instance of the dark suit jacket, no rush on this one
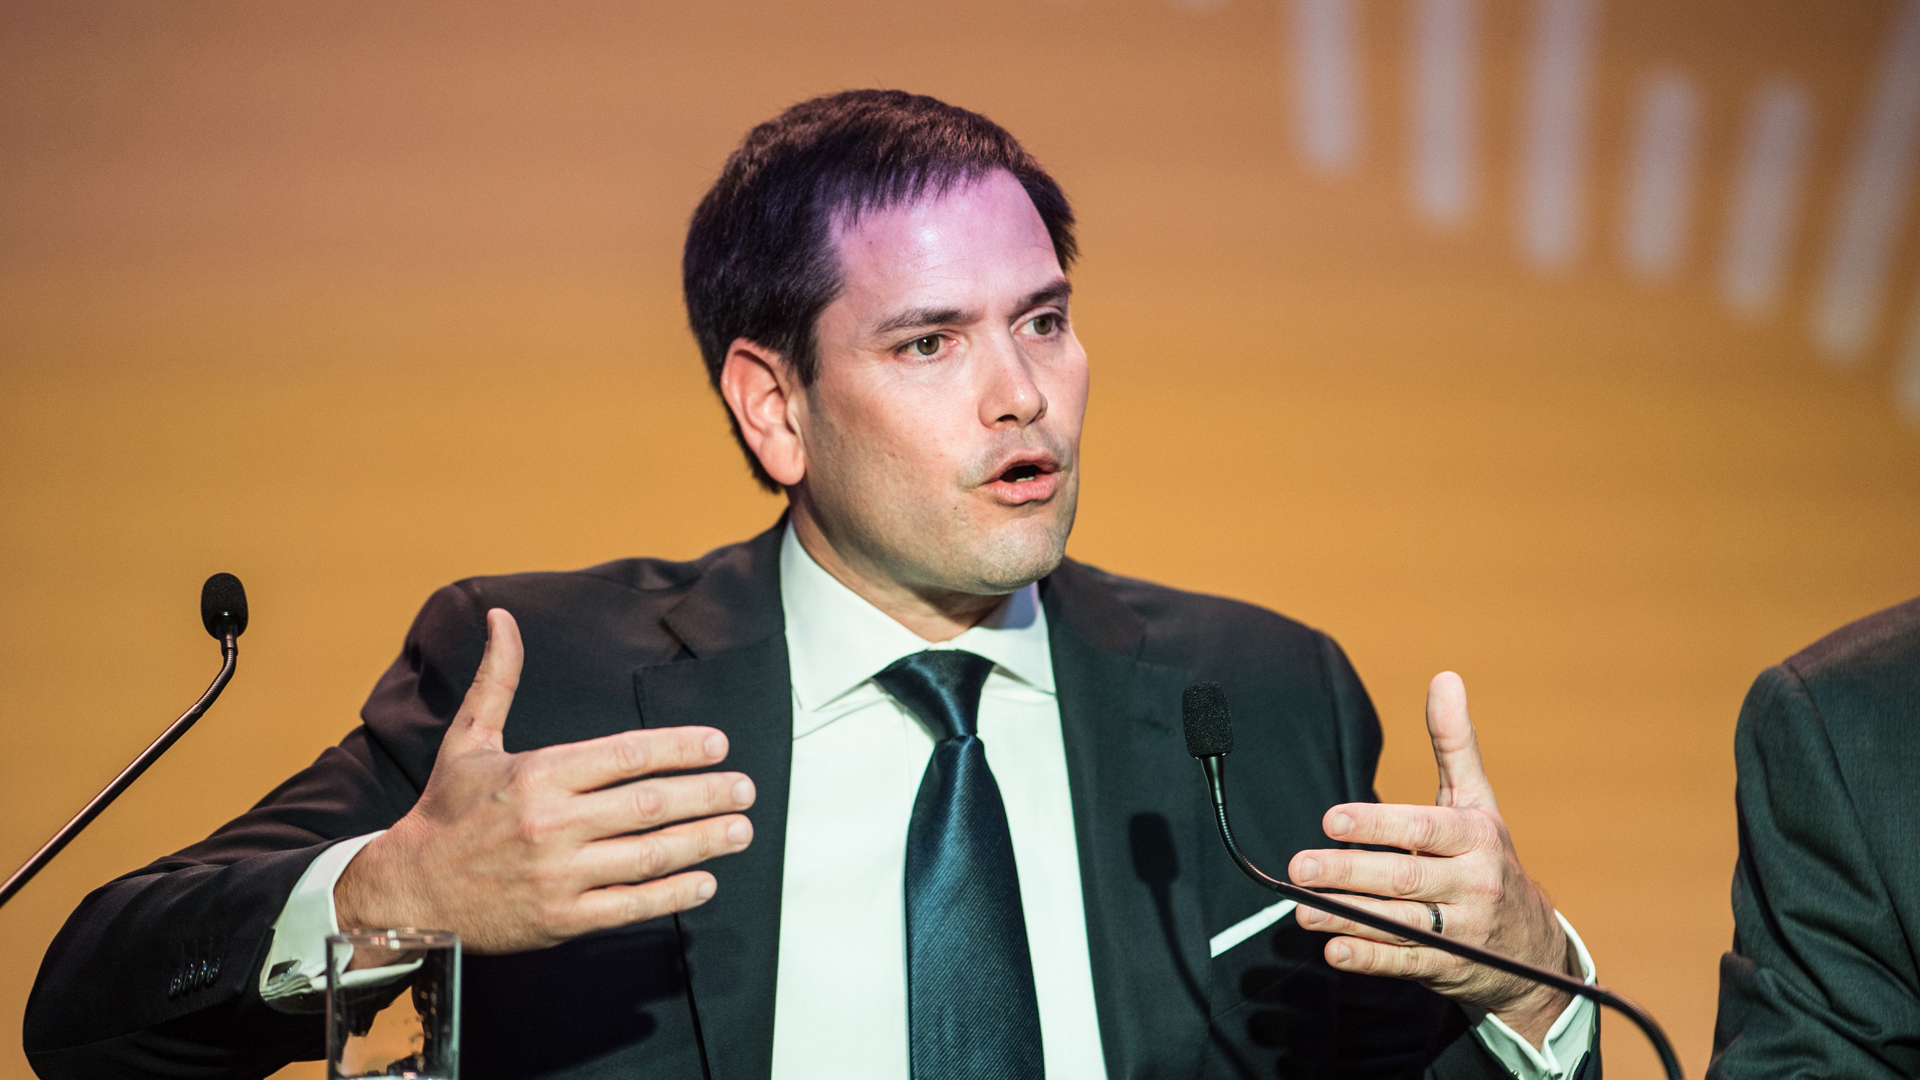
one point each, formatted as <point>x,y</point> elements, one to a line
<point>159,971</point>
<point>1824,976</point>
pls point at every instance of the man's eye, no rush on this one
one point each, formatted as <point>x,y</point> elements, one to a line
<point>1044,324</point>
<point>926,346</point>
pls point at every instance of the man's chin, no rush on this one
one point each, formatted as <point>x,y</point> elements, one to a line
<point>1020,555</point>
<point>1001,579</point>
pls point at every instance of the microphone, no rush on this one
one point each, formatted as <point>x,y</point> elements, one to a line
<point>223,607</point>
<point>1209,731</point>
<point>223,611</point>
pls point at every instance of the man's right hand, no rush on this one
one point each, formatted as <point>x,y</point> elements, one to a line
<point>522,851</point>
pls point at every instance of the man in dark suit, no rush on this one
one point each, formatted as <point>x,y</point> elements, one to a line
<point>1824,976</point>
<point>957,834</point>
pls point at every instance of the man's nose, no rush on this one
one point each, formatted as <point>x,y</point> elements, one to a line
<point>1009,394</point>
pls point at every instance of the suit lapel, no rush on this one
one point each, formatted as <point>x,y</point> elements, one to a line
<point>1139,822</point>
<point>737,680</point>
<point>1138,816</point>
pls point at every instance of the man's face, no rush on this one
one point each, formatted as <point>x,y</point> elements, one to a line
<point>942,434</point>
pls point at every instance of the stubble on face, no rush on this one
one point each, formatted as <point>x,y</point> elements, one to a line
<point>876,506</point>
<point>952,475</point>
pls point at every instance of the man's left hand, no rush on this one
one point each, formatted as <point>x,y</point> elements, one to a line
<point>1463,862</point>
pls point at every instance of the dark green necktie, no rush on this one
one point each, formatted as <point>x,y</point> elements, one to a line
<point>971,1009</point>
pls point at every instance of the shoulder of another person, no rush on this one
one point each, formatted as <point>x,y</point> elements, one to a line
<point>1853,691</point>
<point>1869,660</point>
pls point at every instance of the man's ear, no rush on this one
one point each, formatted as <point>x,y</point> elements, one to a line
<point>765,395</point>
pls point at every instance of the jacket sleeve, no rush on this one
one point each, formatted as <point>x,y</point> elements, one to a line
<point>158,972</point>
<point>1821,979</point>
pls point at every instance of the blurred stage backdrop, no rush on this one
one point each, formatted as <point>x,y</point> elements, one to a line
<point>1572,344</point>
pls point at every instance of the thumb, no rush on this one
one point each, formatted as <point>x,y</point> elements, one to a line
<point>483,714</point>
<point>1463,779</point>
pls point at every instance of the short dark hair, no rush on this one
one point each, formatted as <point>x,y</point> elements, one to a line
<point>759,261</point>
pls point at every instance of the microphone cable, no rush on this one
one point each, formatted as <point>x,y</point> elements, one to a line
<point>1209,732</point>
<point>223,611</point>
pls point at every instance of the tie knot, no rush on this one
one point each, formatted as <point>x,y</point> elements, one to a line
<point>941,686</point>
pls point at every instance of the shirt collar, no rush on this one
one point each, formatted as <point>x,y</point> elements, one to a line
<point>836,640</point>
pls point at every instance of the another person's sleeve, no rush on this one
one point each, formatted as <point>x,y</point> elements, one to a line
<point>1821,978</point>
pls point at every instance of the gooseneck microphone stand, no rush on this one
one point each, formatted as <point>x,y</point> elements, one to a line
<point>1210,738</point>
<point>223,608</point>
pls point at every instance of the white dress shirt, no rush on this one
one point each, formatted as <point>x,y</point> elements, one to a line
<point>840,1002</point>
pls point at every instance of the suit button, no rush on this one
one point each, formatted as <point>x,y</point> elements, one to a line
<point>173,988</point>
<point>213,969</point>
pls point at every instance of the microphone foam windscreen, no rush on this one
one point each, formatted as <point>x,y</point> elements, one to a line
<point>223,602</point>
<point>1203,711</point>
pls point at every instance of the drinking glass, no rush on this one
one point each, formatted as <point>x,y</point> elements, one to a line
<point>393,1004</point>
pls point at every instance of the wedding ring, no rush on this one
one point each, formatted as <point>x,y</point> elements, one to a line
<point>1439,924</point>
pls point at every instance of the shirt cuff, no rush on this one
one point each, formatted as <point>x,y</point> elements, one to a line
<point>294,978</point>
<point>1567,1042</point>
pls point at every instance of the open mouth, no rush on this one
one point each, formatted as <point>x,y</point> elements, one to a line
<point>1029,478</point>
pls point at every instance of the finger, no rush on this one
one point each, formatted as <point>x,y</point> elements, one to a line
<point>1382,873</point>
<point>483,713</point>
<point>1405,912</point>
<point>622,905</point>
<point>596,763</point>
<point>1365,957</point>
<point>1463,778</point>
<point>647,804</point>
<point>1435,830</point>
<point>632,859</point>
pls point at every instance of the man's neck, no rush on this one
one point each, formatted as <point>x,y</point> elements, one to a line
<point>940,616</point>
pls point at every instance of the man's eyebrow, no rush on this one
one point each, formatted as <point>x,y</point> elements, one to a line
<point>914,318</point>
<point>1055,293</point>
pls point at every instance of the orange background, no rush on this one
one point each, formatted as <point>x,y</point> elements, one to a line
<point>356,299</point>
